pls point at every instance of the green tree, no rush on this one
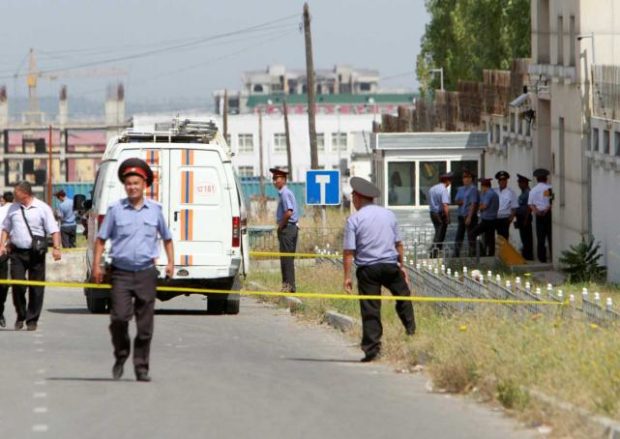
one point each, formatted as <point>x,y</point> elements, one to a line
<point>466,36</point>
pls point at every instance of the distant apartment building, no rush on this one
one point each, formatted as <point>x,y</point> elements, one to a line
<point>342,89</point>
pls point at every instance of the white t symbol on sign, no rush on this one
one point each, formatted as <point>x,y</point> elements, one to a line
<point>322,180</point>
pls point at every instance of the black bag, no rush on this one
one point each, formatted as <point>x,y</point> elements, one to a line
<point>39,243</point>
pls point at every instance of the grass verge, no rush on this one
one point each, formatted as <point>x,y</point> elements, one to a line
<point>492,355</point>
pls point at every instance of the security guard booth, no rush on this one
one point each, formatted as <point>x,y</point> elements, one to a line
<point>406,165</point>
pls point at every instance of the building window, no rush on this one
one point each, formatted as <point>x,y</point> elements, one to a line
<point>246,171</point>
<point>512,123</point>
<point>617,143</point>
<point>364,86</point>
<point>246,142</point>
<point>595,139</point>
<point>496,138</point>
<point>401,183</point>
<point>258,88</point>
<point>542,36</point>
<point>560,36</point>
<point>429,176</point>
<point>562,164</point>
<point>606,142</point>
<point>320,141</point>
<point>572,37</point>
<point>279,142</point>
<point>228,139</point>
<point>339,141</point>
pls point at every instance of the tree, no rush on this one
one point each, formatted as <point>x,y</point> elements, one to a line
<point>466,36</point>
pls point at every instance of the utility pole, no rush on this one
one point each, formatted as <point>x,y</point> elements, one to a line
<point>314,156</point>
<point>49,169</point>
<point>225,116</point>
<point>261,177</point>
<point>287,133</point>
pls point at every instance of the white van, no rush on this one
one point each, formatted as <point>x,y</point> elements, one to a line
<point>202,203</point>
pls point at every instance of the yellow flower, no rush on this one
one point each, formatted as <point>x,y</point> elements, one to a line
<point>463,328</point>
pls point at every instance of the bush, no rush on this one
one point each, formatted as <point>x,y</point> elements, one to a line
<point>581,264</point>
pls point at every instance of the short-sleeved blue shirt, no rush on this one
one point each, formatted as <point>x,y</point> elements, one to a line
<point>372,232</point>
<point>68,215</point>
<point>133,233</point>
<point>287,202</point>
<point>469,195</point>
<point>491,200</point>
<point>438,195</point>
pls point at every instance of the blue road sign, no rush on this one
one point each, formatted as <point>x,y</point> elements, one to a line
<point>323,188</point>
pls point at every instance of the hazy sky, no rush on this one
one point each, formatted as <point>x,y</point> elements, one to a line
<point>66,33</point>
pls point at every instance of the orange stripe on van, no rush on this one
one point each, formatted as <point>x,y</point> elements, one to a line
<point>187,260</point>
<point>187,225</point>
<point>153,191</point>
<point>152,157</point>
<point>188,157</point>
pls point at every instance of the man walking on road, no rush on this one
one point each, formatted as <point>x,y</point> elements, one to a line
<point>132,224</point>
<point>371,237</point>
<point>438,203</point>
<point>7,200</point>
<point>27,223</point>
<point>286,217</point>
<point>67,219</point>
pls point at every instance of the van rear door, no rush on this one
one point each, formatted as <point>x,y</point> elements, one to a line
<point>200,208</point>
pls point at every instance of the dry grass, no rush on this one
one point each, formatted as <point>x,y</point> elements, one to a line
<point>494,355</point>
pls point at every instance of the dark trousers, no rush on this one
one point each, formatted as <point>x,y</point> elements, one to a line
<point>370,279</point>
<point>67,234</point>
<point>22,262</point>
<point>527,240</point>
<point>4,289</point>
<point>133,293</point>
<point>461,230</point>
<point>543,233</point>
<point>440,222</point>
<point>287,237</point>
<point>502,226</point>
<point>487,228</point>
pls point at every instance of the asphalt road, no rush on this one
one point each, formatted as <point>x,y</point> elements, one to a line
<point>260,374</point>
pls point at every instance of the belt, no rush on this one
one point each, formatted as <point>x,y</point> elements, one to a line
<point>132,271</point>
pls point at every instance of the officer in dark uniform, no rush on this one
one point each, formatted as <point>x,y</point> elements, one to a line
<point>132,224</point>
<point>371,237</point>
<point>287,216</point>
<point>524,219</point>
<point>489,205</point>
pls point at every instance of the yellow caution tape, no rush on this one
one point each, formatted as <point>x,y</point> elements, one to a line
<point>296,255</point>
<point>340,296</point>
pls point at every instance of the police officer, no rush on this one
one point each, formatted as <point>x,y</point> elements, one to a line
<point>67,219</point>
<point>489,205</point>
<point>371,237</point>
<point>539,200</point>
<point>467,199</point>
<point>438,203</point>
<point>524,219</point>
<point>507,205</point>
<point>287,216</point>
<point>28,220</point>
<point>132,224</point>
<point>5,205</point>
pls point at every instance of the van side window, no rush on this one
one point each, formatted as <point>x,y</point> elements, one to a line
<point>99,183</point>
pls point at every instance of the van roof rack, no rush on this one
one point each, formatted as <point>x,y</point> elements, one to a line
<point>177,131</point>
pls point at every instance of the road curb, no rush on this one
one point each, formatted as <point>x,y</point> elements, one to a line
<point>292,303</point>
<point>339,321</point>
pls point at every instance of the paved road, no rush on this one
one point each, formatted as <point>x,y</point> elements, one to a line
<point>260,374</point>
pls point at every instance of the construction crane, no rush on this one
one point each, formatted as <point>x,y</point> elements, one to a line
<point>34,113</point>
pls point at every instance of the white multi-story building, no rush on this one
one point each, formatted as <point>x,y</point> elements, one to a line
<point>568,122</point>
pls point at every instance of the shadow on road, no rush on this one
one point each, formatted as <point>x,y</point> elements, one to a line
<point>323,360</point>
<point>172,312</point>
<point>95,379</point>
<point>68,310</point>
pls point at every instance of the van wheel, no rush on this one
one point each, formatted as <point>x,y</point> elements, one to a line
<point>96,305</point>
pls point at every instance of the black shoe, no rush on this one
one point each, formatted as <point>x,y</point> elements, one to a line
<point>143,376</point>
<point>31,326</point>
<point>19,324</point>
<point>2,322</point>
<point>410,332</point>
<point>371,356</point>
<point>117,369</point>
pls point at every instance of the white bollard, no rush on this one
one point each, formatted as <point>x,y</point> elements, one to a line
<point>417,266</point>
<point>498,279</point>
<point>528,286</point>
<point>560,294</point>
<point>449,272</point>
<point>518,281</point>
<point>538,292</point>
<point>572,300</point>
<point>609,304</point>
<point>456,274</point>
<point>597,299</point>
<point>464,271</point>
<point>489,274</point>
<point>508,284</point>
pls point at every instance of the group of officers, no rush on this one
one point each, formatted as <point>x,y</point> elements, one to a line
<point>493,210</point>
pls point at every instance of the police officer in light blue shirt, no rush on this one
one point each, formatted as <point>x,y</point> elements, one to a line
<point>489,205</point>
<point>133,225</point>
<point>467,199</point>
<point>67,219</point>
<point>371,237</point>
<point>287,216</point>
<point>438,203</point>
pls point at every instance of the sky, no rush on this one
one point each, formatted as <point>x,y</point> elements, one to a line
<point>176,50</point>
